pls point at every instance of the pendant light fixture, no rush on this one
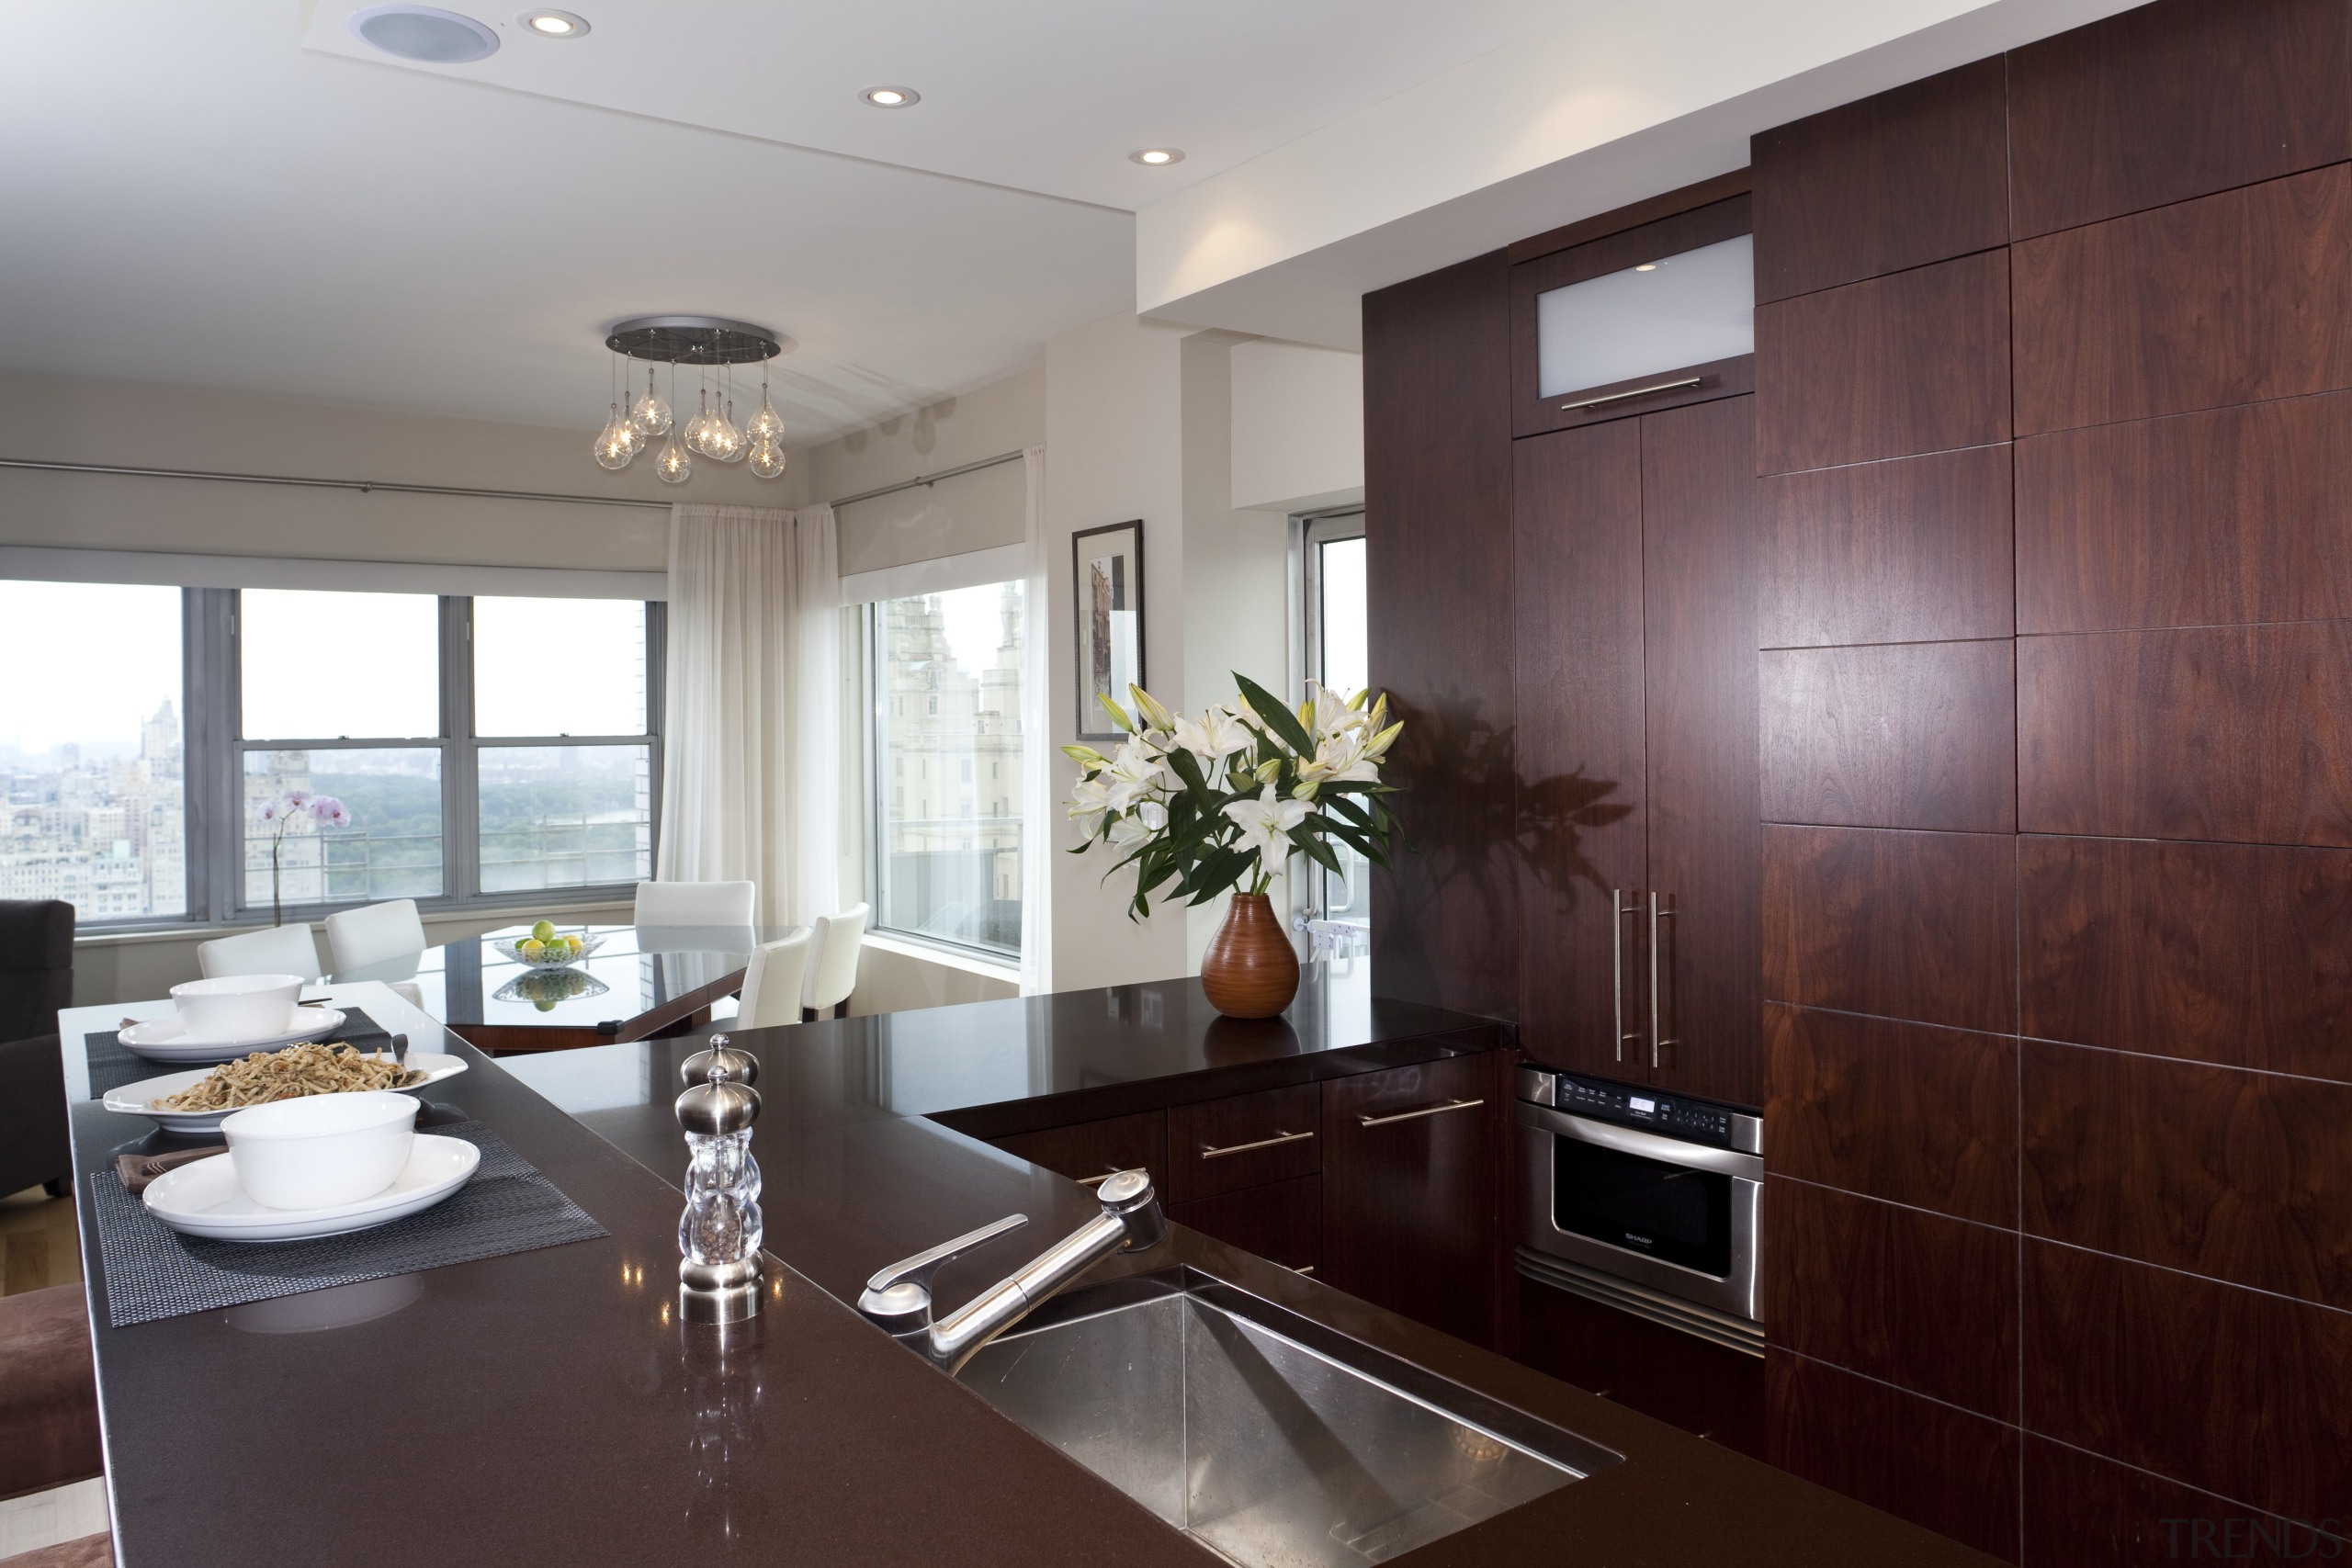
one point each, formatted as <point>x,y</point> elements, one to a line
<point>711,431</point>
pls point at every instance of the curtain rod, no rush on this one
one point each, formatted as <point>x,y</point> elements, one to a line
<point>928,478</point>
<point>363,486</point>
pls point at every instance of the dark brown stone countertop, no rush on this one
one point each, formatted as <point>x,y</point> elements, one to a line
<point>546,1408</point>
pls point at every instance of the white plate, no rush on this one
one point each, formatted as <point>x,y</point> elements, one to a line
<point>165,1039</point>
<point>203,1198</point>
<point>139,1099</point>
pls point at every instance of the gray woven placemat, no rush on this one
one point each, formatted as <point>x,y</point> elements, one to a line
<point>111,1066</point>
<point>152,1271</point>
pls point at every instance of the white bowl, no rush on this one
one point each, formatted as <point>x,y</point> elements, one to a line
<point>237,1007</point>
<point>321,1150</point>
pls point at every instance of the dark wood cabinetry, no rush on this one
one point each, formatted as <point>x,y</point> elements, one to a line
<point>1412,1187</point>
<point>1388,1184</point>
<point>1636,670</point>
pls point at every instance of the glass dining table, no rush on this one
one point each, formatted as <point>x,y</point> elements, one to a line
<point>629,983</point>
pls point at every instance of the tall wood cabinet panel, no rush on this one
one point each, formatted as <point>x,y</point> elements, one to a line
<point>2209,1170</point>
<point>1892,368</point>
<point>1926,1463</point>
<point>1699,652</point>
<point>2238,733</point>
<point>1909,1112</point>
<point>1910,176</point>
<point>2229,1389</point>
<point>1438,545</point>
<point>2222,517</point>
<point>2124,114</point>
<point>1897,735</point>
<point>1637,669</point>
<point>1912,550</point>
<point>2229,298</point>
<point>1577,540</point>
<point>2234,954</point>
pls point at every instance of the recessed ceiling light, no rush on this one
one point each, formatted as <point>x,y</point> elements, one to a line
<point>1156,156</point>
<point>1647,266</point>
<point>555,23</point>
<point>891,97</point>
<point>424,32</point>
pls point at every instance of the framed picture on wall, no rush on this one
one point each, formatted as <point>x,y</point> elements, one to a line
<point>1107,565</point>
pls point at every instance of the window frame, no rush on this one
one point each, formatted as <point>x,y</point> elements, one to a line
<point>213,751</point>
<point>878,780</point>
<point>1310,531</point>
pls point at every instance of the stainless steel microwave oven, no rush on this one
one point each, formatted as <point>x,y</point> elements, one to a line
<point>1651,1202</point>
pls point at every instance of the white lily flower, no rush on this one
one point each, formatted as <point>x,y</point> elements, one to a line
<point>1265,823</point>
<point>1340,757</point>
<point>1214,736</point>
<point>1328,713</point>
<point>1127,832</point>
<point>1152,815</point>
<point>1135,773</point>
<point>1089,803</point>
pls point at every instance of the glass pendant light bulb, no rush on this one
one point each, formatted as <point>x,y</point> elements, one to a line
<point>766,422</point>
<point>697,432</point>
<point>674,465</point>
<point>732,443</point>
<point>652,415</point>
<point>616,442</point>
<point>767,458</point>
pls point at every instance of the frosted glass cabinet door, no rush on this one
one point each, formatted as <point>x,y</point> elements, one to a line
<point>1659,316</point>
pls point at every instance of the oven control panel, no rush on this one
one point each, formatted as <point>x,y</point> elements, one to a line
<point>1701,1121</point>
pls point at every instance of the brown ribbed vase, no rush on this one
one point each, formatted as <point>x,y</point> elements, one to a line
<point>1251,969</point>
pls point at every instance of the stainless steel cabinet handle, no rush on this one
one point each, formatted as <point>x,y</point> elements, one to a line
<point>1417,1115</point>
<point>1304,1268</point>
<point>1662,909</point>
<point>1636,392</point>
<point>1096,1180</point>
<point>1622,903</point>
<point>1208,1151</point>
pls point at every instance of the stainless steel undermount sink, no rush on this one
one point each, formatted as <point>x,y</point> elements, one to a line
<point>1271,1440</point>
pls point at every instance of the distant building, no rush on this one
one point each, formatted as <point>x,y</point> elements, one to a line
<point>952,742</point>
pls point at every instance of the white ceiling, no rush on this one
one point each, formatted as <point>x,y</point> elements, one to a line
<point>238,194</point>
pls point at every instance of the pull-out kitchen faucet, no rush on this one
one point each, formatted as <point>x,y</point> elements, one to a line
<point>898,1297</point>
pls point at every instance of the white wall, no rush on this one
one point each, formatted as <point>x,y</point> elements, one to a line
<point>1115,412</point>
<point>1297,426</point>
<point>1003,416</point>
<point>123,424</point>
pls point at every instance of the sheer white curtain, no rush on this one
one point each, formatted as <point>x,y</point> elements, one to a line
<point>752,723</point>
<point>1040,821</point>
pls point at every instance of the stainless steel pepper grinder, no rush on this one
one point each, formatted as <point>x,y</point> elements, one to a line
<point>720,1231</point>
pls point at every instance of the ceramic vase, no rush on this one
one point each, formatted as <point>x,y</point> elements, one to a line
<point>1251,969</point>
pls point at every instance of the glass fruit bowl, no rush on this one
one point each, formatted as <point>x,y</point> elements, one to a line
<point>555,954</point>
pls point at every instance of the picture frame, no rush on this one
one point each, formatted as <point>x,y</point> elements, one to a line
<point>1106,577</point>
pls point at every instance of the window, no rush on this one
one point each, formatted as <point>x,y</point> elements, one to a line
<point>479,748</point>
<point>1339,657</point>
<point>91,748</point>
<point>943,870</point>
<point>578,813</point>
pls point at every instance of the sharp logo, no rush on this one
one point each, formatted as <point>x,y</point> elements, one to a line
<point>1639,1240</point>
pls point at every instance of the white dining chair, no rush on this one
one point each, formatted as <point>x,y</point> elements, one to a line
<point>273,950</point>
<point>375,933</point>
<point>772,982</point>
<point>695,903</point>
<point>832,964</point>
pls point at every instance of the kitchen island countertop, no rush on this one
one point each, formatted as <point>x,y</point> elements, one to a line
<point>546,1407</point>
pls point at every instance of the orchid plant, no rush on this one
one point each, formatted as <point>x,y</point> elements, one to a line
<point>1204,803</point>
<point>284,811</point>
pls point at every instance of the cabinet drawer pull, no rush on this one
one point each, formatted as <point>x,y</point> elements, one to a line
<point>1096,1180</point>
<point>1417,1115</point>
<point>1636,392</point>
<point>1211,1152</point>
<point>1304,1268</point>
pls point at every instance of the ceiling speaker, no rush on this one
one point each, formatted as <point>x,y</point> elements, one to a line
<point>424,32</point>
